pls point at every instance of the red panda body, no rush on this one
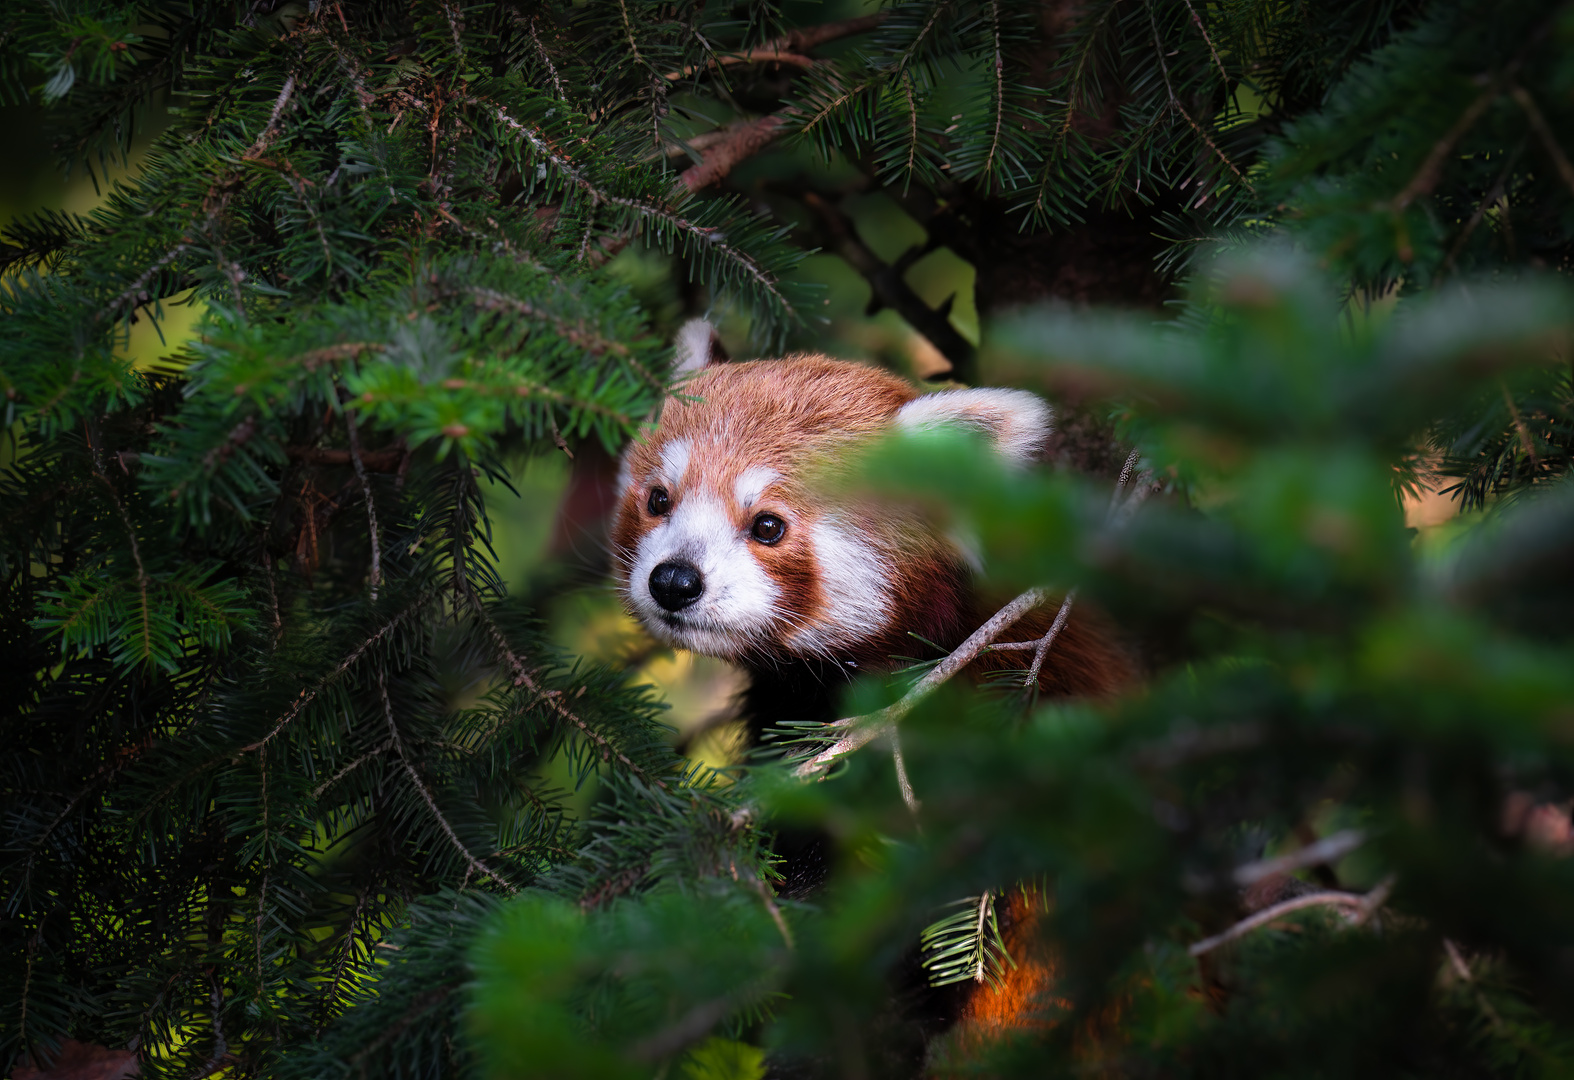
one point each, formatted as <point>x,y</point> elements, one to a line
<point>724,544</point>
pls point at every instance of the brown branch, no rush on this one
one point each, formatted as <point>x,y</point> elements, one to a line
<point>1431,169</point>
<point>864,729</point>
<point>1203,30</point>
<point>375,576</point>
<point>553,699</point>
<point>471,861</point>
<point>1331,847</point>
<point>385,460</point>
<point>742,141</point>
<point>1539,124</point>
<point>1361,908</point>
<point>1048,639</point>
<point>1490,199</point>
<point>890,289</point>
<point>790,47</point>
<point>307,696</point>
<point>1164,67</point>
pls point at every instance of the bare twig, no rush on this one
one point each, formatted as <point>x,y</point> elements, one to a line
<point>1044,643</point>
<point>376,574</point>
<point>1544,132</point>
<point>1489,200</point>
<point>889,287</point>
<point>790,47</point>
<point>1360,908</point>
<point>864,729</point>
<point>742,141</point>
<point>775,912</point>
<point>901,771</point>
<point>1326,850</point>
<point>1431,169</point>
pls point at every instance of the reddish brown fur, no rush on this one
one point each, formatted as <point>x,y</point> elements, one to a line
<point>787,414</point>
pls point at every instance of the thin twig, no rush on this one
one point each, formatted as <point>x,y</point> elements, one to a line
<point>1326,850</point>
<point>1203,30</point>
<point>1544,133</point>
<point>1426,177</point>
<point>865,729</point>
<point>1361,907</point>
<point>1164,67</point>
<point>306,696</point>
<point>775,912</point>
<point>553,699</point>
<point>788,48</point>
<point>471,861</point>
<point>1040,653</point>
<point>371,506</point>
<point>901,772</point>
<point>742,141</point>
<point>1489,200</point>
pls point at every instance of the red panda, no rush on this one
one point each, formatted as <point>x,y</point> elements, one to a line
<point>723,544</point>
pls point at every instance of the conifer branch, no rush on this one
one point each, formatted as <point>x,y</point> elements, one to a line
<point>719,159</point>
<point>1000,89</point>
<point>553,699</point>
<point>1360,906</point>
<point>865,729</point>
<point>1224,79</point>
<point>713,238</point>
<point>1174,103</point>
<point>789,47</point>
<point>308,696</point>
<point>471,861</point>
<point>1543,132</point>
<point>376,571</point>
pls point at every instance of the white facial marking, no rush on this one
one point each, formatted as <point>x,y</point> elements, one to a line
<point>675,461</point>
<point>855,580</point>
<point>739,601</point>
<point>752,484</point>
<point>1016,421</point>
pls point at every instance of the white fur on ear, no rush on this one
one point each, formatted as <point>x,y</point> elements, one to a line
<point>1016,421</point>
<point>697,346</point>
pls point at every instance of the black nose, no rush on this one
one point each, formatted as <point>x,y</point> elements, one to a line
<point>676,585</point>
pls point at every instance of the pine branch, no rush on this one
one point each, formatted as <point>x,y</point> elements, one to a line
<point>470,860</point>
<point>865,729</point>
<point>1360,905</point>
<point>722,156</point>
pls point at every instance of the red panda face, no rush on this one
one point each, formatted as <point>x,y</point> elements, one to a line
<point>724,543</point>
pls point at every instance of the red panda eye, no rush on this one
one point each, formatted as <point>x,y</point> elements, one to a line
<point>768,528</point>
<point>659,503</point>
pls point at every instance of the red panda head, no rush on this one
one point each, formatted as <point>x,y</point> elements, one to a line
<point>724,543</point>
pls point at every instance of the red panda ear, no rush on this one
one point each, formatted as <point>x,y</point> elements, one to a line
<point>698,346</point>
<point>1017,422</point>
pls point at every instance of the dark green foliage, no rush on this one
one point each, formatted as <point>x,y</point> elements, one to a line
<point>277,788</point>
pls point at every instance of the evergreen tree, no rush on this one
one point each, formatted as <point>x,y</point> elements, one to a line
<point>256,825</point>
